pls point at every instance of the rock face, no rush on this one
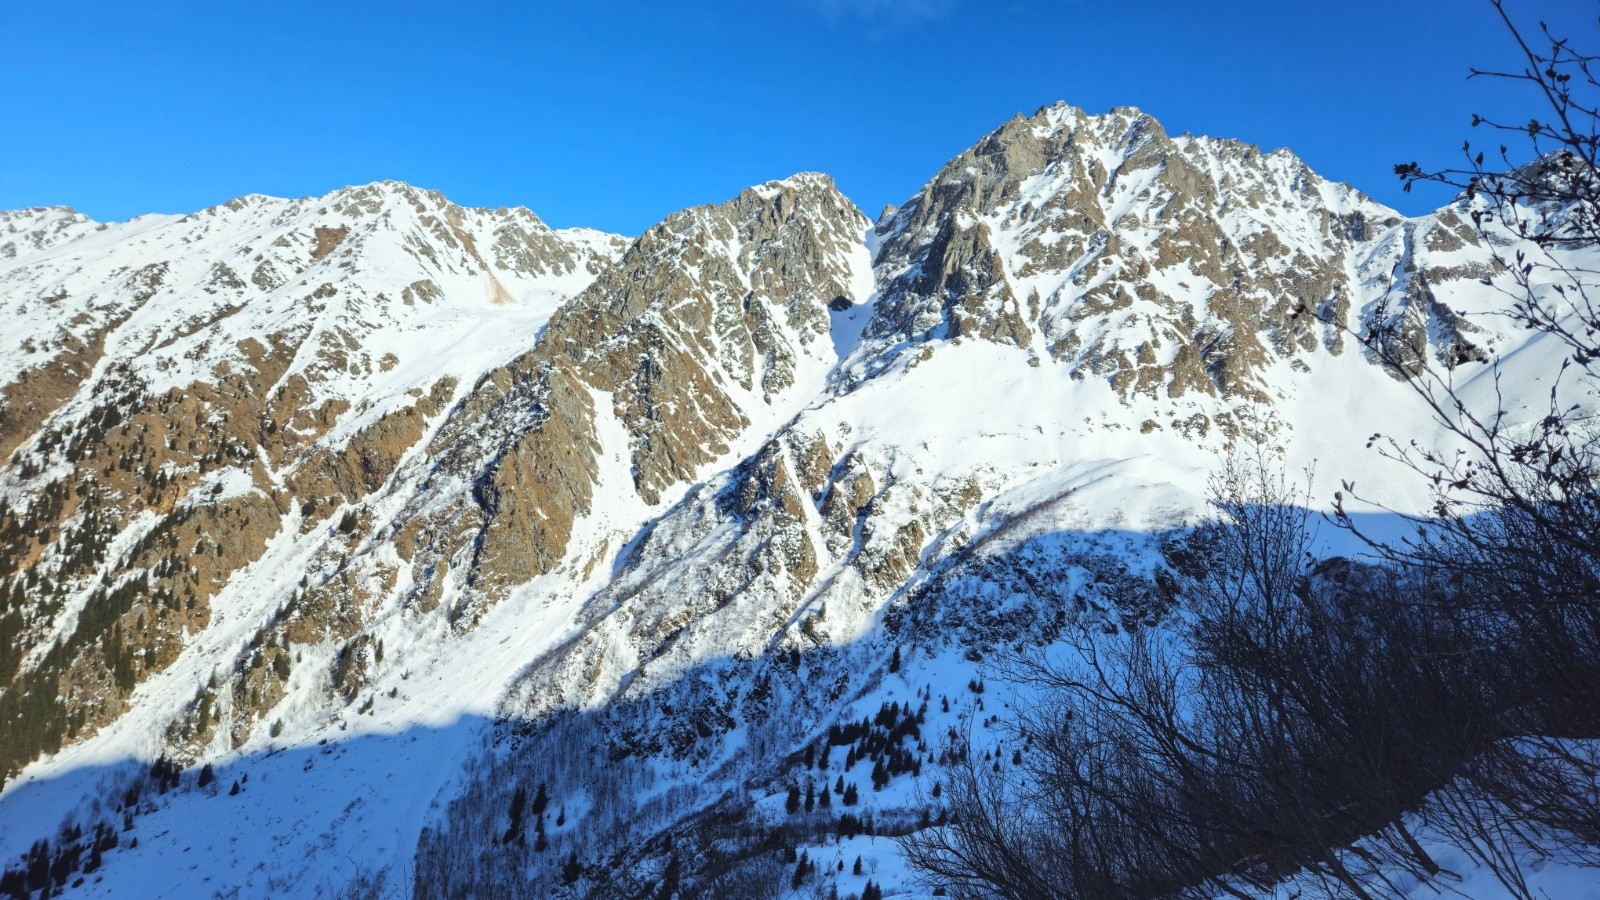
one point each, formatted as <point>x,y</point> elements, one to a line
<point>371,489</point>
<point>714,324</point>
<point>180,391</point>
<point>1167,265</point>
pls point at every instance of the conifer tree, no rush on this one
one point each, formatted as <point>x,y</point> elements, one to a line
<point>519,799</point>
<point>571,871</point>
<point>671,876</point>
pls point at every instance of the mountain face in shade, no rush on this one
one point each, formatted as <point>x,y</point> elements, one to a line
<point>472,557</point>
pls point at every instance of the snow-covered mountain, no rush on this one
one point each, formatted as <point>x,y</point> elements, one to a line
<point>464,556</point>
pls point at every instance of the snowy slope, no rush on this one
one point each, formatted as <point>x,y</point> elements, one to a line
<point>468,505</point>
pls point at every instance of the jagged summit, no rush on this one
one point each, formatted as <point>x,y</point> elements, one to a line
<point>711,327</point>
<point>1167,265</point>
<point>799,181</point>
<point>27,231</point>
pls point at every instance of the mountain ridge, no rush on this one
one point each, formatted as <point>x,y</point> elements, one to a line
<point>681,495</point>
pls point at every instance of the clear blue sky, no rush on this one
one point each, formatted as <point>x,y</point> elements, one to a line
<point>613,113</point>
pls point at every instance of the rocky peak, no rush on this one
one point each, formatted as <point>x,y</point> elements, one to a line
<point>744,285</point>
<point>711,329</point>
<point>26,231</point>
<point>1167,265</point>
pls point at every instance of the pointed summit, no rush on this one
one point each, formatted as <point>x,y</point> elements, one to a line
<point>1166,265</point>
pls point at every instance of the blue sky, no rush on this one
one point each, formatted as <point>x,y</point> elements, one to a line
<point>613,113</point>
